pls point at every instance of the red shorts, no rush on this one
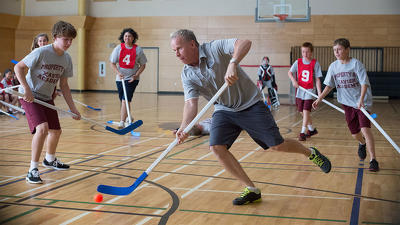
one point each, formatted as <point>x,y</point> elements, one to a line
<point>355,119</point>
<point>37,114</point>
<point>304,104</point>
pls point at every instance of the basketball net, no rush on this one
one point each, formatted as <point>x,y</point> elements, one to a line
<point>280,19</point>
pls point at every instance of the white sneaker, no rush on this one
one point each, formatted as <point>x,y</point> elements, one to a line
<point>121,124</point>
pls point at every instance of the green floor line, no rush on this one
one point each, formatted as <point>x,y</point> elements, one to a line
<point>259,215</point>
<point>24,213</point>
<point>366,222</point>
<point>186,149</point>
<point>105,204</point>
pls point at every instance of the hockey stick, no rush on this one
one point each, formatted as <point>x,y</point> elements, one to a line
<point>380,129</point>
<point>262,92</point>
<point>112,190</point>
<point>87,106</point>
<point>12,106</point>
<point>120,132</point>
<point>8,114</point>
<point>126,102</point>
<point>325,101</point>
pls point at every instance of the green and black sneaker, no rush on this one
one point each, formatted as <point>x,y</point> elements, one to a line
<point>320,160</point>
<point>248,197</point>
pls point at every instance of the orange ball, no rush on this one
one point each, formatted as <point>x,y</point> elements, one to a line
<point>98,198</point>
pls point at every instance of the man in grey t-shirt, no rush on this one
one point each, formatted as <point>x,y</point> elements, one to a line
<point>207,67</point>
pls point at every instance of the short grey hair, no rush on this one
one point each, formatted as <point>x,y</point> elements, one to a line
<point>187,35</point>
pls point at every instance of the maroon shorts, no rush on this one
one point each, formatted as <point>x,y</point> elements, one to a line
<point>37,114</point>
<point>355,119</point>
<point>304,104</point>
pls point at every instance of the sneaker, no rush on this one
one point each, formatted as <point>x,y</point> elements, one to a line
<point>374,166</point>
<point>320,160</point>
<point>247,197</point>
<point>311,133</point>
<point>302,137</point>
<point>121,124</point>
<point>56,164</point>
<point>33,177</point>
<point>362,153</point>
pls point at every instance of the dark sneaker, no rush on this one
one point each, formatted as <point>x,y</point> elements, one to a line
<point>33,177</point>
<point>374,166</point>
<point>247,197</point>
<point>320,160</point>
<point>311,133</point>
<point>56,164</point>
<point>362,153</point>
<point>302,137</point>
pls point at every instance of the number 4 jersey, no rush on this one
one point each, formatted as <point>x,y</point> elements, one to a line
<point>128,59</point>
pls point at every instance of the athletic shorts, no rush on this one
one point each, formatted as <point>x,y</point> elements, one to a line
<point>37,114</point>
<point>304,104</point>
<point>256,120</point>
<point>355,119</point>
<point>130,89</point>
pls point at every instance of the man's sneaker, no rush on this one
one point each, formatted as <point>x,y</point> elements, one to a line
<point>247,197</point>
<point>374,166</point>
<point>33,176</point>
<point>121,124</point>
<point>320,160</point>
<point>56,164</point>
<point>302,137</point>
<point>362,153</point>
<point>311,133</point>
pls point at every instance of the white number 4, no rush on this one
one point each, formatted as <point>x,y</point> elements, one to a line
<point>127,59</point>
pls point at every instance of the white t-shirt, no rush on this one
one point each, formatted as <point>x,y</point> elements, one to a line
<point>45,70</point>
<point>348,78</point>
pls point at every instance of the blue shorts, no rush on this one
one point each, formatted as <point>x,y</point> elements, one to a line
<point>256,120</point>
<point>130,89</point>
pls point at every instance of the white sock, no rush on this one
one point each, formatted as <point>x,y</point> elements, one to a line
<point>303,130</point>
<point>254,189</point>
<point>310,127</point>
<point>50,157</point>
<point>33,165</point>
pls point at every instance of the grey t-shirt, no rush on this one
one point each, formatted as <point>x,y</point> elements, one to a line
<point>348,78</point>
<point>128,73</point>
<point>316,73</point>
<point>45,70</point>
<point>208,77</point>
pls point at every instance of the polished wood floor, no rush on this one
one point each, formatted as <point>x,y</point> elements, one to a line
<point>189,186</point>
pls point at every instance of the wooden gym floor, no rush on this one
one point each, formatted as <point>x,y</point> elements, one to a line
<point>189,186</point>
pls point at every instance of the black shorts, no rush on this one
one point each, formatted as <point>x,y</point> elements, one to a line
<point>130,89</point>
<point>256,120</point>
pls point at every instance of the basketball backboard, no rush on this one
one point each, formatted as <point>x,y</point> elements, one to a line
<point>282,11</point>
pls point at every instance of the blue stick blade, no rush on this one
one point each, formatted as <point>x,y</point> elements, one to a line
<point>110,122</point>
<point>90,107</point>
<point>14,61</point>
<point>14,117</point>
<point>111,190</point>
<point>127,129</point>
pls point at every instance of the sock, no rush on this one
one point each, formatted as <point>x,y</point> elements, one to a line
<point>254,189</point>
<point>50,157</point>
<point>310,127</point>
<point>33,165</point>
<point>303,130</point>
<point>311,153</point>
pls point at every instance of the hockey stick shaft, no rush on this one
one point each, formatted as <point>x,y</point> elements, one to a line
<point>380,129</point>
<point>12,106</point>
<point>126,102</point>
<point>8,114</point>
<point>325,101</point>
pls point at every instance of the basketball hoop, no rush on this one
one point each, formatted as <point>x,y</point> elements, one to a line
<point>280,17</point>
